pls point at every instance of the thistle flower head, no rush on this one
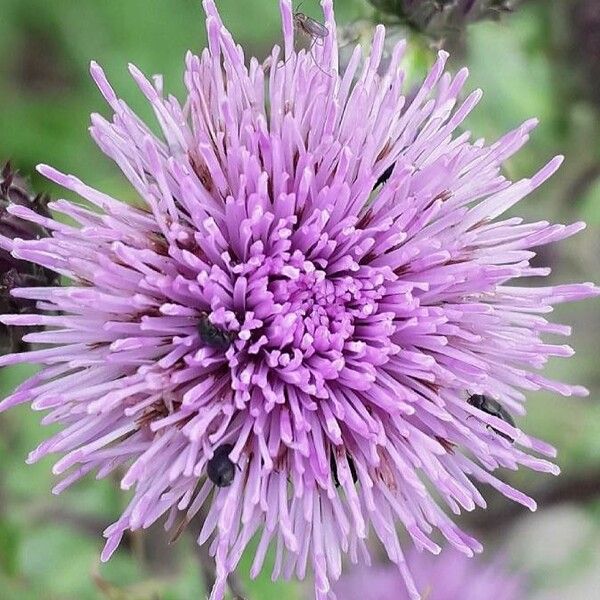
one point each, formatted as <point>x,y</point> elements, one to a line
<point>449,576</point>
<point>14,272</point>
<point>268,337</point>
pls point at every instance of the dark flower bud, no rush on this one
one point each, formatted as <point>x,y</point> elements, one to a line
<point>443,18</point>
<point>13,272</point>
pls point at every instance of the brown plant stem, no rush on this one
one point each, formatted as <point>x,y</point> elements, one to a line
<point>579,488</point>
<point>207,563</point>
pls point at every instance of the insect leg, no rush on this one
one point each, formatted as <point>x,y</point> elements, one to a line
<point>313,42</point>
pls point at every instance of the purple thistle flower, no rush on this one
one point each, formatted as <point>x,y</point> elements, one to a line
<point>263,296</point>
<point>448,577</point>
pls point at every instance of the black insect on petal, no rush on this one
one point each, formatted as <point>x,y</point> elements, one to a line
<point>495,409</point>
<point>211,335</point>
<point>384,176</point>
<point>220,469</point>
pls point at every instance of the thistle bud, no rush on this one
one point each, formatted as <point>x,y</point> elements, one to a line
<point>13,272</point>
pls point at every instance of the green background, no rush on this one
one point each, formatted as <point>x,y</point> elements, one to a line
<point>49,546</point>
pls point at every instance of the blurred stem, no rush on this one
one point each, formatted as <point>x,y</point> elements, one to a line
<point>159,558</point>
<point>580,488</point>
<point>207,566</point>
<point>138,547</point>
<point>87,524</point>
<point>235,587</point>
<point>207,563</point>
<point>581,185</point>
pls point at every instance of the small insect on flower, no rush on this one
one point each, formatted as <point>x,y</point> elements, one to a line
<point>492,407</point>
<point>334,469</point>
<point>310,27</point>
<point>317,32</point>
<point>211,335</point>
<point>220,469</point>
<point>384,176</point>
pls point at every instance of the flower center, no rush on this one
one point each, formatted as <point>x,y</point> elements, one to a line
<point>318,313</point>
<point>309,323</point>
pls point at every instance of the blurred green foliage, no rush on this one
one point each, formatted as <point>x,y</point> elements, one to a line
<point>46,96</point>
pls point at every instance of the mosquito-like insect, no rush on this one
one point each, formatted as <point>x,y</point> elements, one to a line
<point>310,27</point>
<point>317,32</point>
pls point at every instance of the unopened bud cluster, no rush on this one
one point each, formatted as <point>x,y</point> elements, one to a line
<point>14,272</point>
<point>441,18</point>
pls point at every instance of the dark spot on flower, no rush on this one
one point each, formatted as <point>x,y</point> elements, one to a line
<point>443,196</point>
<point>384,151</point>
<point>178,531</point>
<point>447,445</point>
<point>365,219</point>
<point>160,245</point>
<point>334,470</point>
<point>434,387</point>
<point>385,473</point>
<point>201,170</point>
<point>495,409</point>
<point>220,469</point>
<point>402,270</point>
<point>211,335</point>
<point>96,345</point>
<point>384,176</point>
<point>157,411</point>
